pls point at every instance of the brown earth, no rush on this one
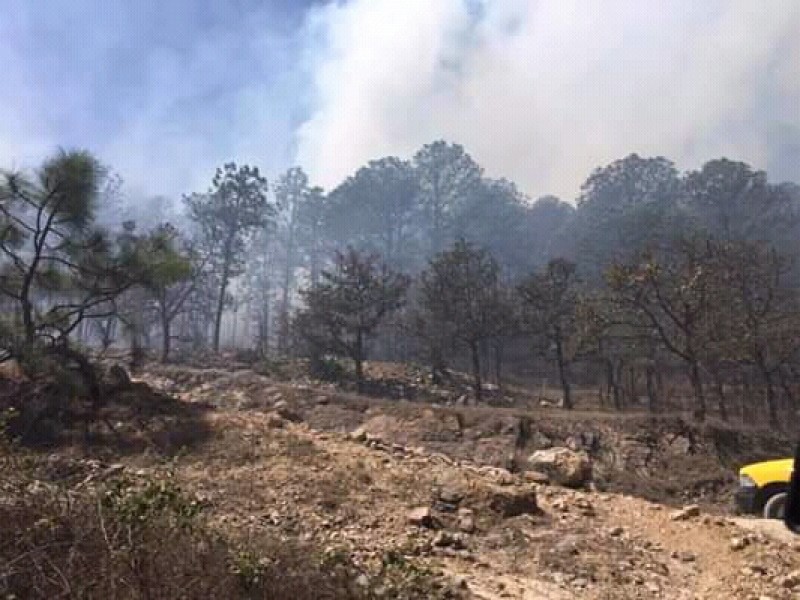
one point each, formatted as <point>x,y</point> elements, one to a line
<point>274,458</point>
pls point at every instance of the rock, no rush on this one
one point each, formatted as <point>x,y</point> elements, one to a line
<point>791,581</point>
<point>288,414</point>
<point>362,581</point>
<point>513,501</point>
<point>536,477</point>
<point>274,420</point>
<point>686,513</point>
<point>616,531</point>
<point>118,377</point>
<point>422,517</point>
<point>563,466</point>
<point>466,523</point>
<point>359,434</point>
<point>580,582</point>
<point>584,507</point>
<point>450,495</point>
<point>322,400</point>
<point>445,539</point>
<point>739,543</point>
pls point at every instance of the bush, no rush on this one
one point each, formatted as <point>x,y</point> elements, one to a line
<point>144,537</point>
<point>328,369</point>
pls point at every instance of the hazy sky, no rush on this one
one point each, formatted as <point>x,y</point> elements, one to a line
<point>539,91</point>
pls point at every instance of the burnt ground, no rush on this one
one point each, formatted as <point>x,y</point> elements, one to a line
<point>277,458</point>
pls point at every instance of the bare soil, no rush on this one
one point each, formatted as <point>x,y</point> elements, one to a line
<point>278,458</point>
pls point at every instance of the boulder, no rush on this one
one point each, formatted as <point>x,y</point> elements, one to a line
<point>570,468</point>
<point>117,377</point>
<point>421,517</point>
<point>513,501</point>
<point>686,513</point>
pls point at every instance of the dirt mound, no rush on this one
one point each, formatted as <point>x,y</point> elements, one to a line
<point>662,458</point>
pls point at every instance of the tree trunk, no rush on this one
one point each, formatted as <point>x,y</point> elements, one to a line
<point>697,387</point>
<point>476,371</point>
<point>791,400</point>
<point>498,364</point>
<point>747,393</point>
<point>721,400</point>
<point>223,286</point>
<point>358,359</point>
<point>772,409</point>
<point>652,393</point>
<point>619,390</point>
<point>563,374</point>
<point>166,337</point>
<point>613,389</point>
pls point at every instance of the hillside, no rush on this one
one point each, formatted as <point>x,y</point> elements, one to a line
<point>439,496</point>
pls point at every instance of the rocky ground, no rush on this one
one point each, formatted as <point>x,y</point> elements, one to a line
<point>455,492</point>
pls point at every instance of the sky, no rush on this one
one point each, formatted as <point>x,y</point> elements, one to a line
<point>538,91</point>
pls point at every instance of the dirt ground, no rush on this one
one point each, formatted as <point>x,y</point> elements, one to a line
<point>447,489</point>
<point>280,457</point>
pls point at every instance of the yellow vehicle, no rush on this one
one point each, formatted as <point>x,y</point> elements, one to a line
<point>763,488</point>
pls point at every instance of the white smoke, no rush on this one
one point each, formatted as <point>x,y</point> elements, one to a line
<point>544,91</point>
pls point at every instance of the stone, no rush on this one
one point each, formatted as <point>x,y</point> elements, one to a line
<point>358,435</point>
<point>687,512</point>
<point>421,517</point>
<point>274,420</point>
<point>466,523</point>
<point>450,495</point>
<point>288,414</point>
<point>536,477</point>
<point>616,531</point>
<point>791,581</point>
<point>569,468</point>
<point>739,543</point>
<point>513,501</point>
<point>118,377</point>
<point>445,539</point>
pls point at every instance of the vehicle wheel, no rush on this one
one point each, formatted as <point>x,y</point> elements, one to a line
<point>775,507</point>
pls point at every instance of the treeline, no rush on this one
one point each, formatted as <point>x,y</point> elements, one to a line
<point>651,277</point>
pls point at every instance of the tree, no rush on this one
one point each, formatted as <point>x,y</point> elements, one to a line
<point>291,193</point>
<point>494,216</point>
<point>175,273</point>
<point>675,294</point>
<point>375,210</point>
<point>625,208</point>
<point>550,309</point>
<point>58,268</point>
<point>760,315</point>
<point>348,304</point>
<point>234,207</point>
<point>461,290</point>
<point>313,233</point>
<point>731,201</point>
<point>446,175</point>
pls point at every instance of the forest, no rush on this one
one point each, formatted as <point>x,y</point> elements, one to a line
<point>653,290</point>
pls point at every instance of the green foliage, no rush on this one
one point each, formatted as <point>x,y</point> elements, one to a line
<point>233,209</point>
<point>328,369</point>
<point>348,305</point>
<point>461,294</point>
<point>135,503</point>
<point>461,289</point>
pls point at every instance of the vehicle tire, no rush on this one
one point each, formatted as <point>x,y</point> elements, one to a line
<point>775,507</point>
